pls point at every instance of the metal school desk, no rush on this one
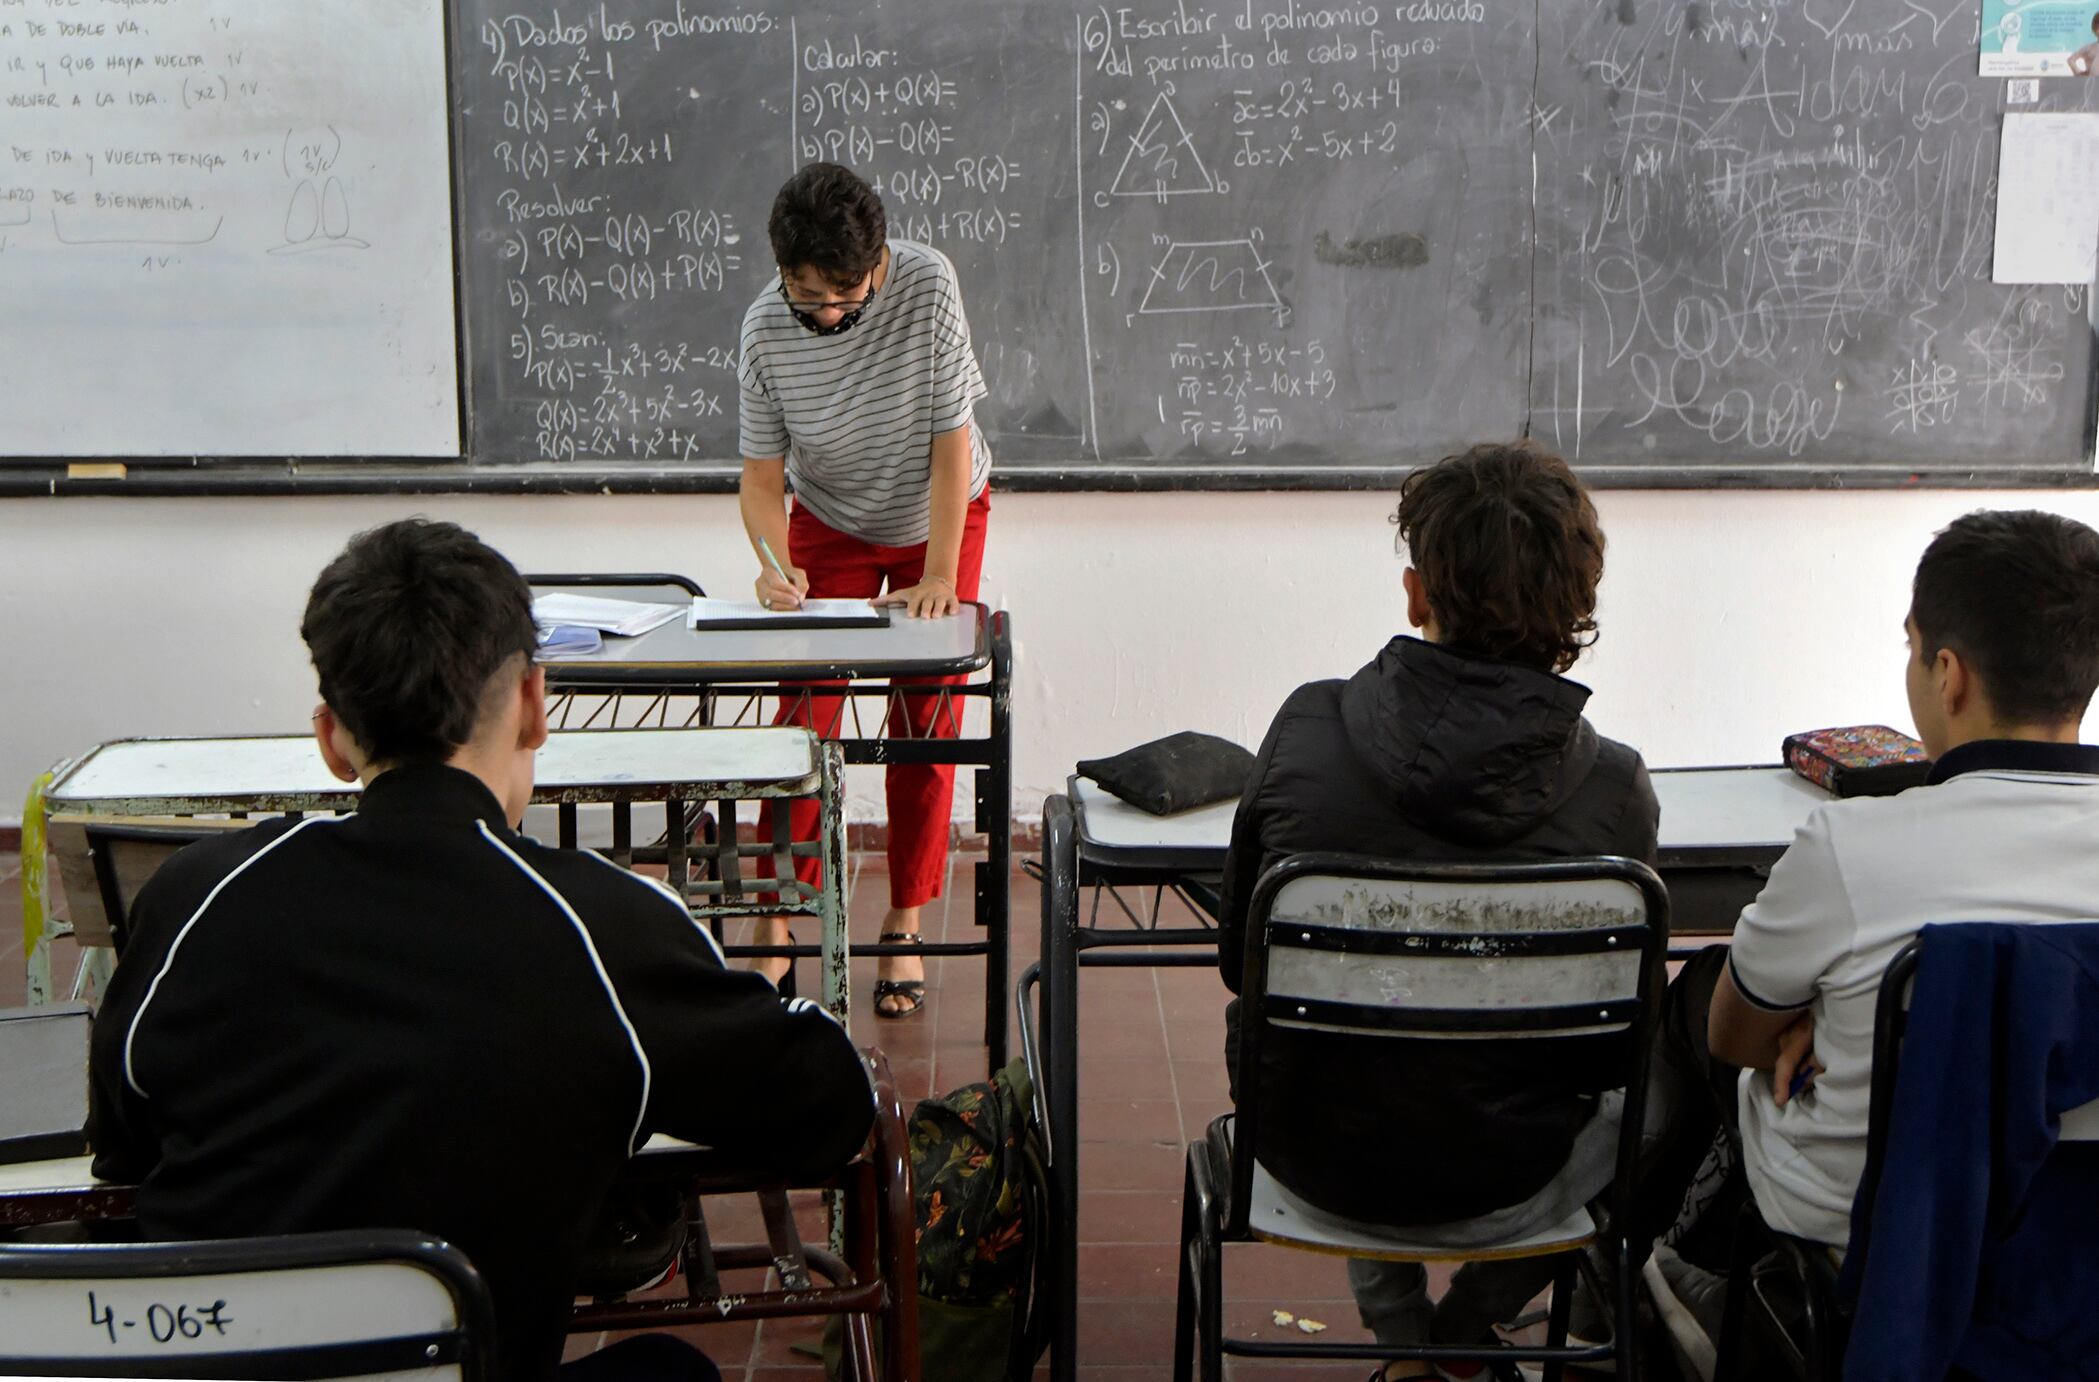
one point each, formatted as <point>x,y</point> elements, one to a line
<point>673,675</point>
<point>1721,830</point>
<point>618,767</point>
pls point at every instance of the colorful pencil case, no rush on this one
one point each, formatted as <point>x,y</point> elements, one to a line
<point>1857,760</point>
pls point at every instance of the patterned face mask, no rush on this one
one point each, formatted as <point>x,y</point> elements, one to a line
<point>846,322</point>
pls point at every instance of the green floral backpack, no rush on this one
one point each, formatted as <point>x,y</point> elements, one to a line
<point>977,1173</point>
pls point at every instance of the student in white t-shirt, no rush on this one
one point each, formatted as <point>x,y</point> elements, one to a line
<point>2003,637</point>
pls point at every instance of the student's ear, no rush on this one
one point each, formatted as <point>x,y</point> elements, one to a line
<point>1418,612</point>
<point>532,722</point>
<point>338,750</point>
<point>1954,682</point>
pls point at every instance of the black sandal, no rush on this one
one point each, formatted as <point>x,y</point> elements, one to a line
<point>910,993</point>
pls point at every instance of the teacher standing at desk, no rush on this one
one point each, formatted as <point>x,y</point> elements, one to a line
<point>858,384</point>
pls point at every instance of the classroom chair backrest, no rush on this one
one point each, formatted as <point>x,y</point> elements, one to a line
<point>1378,949</point>
<point>374,1305</point>
<point>647,586</point>
<point>103,862</point>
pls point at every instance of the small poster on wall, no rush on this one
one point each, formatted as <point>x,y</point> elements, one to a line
<point>2047,204</point>
<point>2040,38</point>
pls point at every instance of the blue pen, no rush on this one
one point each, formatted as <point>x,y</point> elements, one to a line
<point>765,550</point>
<point>1799,1084</point>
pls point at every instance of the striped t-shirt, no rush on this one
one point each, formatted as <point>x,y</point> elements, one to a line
<point>855,414</point>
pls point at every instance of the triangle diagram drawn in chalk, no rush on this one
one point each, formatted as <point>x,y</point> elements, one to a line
<point>1162,161</point>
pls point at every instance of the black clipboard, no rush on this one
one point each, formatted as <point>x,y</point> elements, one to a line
<point>873,619</point>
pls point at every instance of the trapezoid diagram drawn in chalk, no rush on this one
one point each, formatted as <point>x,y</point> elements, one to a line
<point>1212,276</point>
<point>1162,161</point>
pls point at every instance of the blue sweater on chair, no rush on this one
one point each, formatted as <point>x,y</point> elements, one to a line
<point>1980,1250</point>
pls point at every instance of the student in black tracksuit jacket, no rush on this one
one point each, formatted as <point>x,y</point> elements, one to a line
<point>1466,747</point>
<point>414,1016</point>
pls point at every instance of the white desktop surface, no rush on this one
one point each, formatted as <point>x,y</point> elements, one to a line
<point>1701,808</point>
<point>1109,823</point>
<point>1733,808</point>
<point>55,1176</point>
<point>59,1175</point>
<point>131,774</point>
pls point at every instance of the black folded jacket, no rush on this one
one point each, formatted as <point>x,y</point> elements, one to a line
<point>1177,773</point>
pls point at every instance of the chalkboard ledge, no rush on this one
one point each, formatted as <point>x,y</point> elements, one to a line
<point>161,477</point>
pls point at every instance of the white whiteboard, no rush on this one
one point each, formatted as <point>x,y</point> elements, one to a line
<point>225,229</point>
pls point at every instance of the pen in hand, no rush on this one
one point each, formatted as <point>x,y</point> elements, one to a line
<point>765,550</point>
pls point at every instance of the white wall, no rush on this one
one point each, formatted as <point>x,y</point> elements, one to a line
<point>1728,619</point>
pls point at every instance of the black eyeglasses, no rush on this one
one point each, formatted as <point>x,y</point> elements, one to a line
<point>852,311</point>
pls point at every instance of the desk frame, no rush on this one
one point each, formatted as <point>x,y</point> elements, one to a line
<point>872,1273</point>
<point>586,695</point>
<point>728,893</point>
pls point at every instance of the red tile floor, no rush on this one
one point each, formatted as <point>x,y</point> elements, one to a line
<point>1152,1073</point>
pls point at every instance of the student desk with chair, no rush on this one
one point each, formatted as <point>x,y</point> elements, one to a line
<point>674,675</point>
<point>1721,829</point>
<point>100,794</point>
<point>868,1274</point>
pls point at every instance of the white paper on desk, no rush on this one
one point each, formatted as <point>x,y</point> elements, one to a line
<point>626,618</point>
<point>2048,199</point>
<point>710,611</point>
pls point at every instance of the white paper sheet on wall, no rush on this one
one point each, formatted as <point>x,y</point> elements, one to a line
<point>2048,199</point>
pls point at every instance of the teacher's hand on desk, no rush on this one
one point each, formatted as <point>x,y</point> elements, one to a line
<point>932,598</point>
<point>776,593</point>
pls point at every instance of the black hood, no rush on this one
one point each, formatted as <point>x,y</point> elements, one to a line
<point>1472,749</point>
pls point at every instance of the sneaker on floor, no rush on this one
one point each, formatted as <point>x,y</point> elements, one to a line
<point>1691,1302</point>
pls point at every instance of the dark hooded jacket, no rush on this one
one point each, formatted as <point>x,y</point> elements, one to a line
<point>1429,755</point>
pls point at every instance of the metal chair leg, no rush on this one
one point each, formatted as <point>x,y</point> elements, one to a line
<point>1208,1265</point>
<point>1184,1310</point>
<point>859,1349</point>
<point>1625,1353</point>
<point>1556,1321</point>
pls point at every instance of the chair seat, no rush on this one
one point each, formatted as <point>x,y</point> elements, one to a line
<point>1277,1215</point>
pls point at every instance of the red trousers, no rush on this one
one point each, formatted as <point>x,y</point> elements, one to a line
<point>921,795</point>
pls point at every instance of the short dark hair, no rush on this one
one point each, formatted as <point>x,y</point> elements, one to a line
<point>407,629</point>
<point>828,219</point>
<point>2016,594</point>
<point>1508,544</point>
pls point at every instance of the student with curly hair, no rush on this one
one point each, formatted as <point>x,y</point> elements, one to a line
<point>1465,744</point>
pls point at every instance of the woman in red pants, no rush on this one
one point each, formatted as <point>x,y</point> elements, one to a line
<point>858,384</point>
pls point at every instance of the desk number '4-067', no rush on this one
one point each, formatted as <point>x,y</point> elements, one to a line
<point>164,1324</point>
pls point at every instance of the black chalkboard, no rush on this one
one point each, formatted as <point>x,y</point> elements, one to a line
<point>1222,241</point>
<point>1765,239</point>
<point>617,171</point>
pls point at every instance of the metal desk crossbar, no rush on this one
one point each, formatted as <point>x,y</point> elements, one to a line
<point>272,775</point>
<point>673,675</point>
